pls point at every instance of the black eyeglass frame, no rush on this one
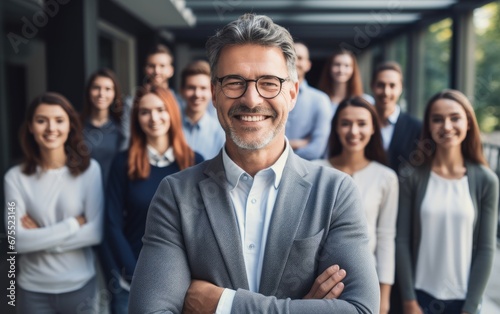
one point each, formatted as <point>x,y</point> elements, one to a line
<point>281,80</point>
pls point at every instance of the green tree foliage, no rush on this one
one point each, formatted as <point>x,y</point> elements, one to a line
<point>487,88</point>
<point>437,42</point>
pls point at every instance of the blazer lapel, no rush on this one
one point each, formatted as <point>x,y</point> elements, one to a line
<point>291,201</point>
<point>215,194</point>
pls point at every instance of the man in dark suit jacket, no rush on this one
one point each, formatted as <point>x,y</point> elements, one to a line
<point>400,134</point>
<point>257,229</point>
<point>400,131</point>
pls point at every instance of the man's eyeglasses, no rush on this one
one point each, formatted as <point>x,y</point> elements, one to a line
<point>235,86</point>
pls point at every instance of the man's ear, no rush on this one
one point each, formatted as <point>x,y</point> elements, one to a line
<point>294,93</point>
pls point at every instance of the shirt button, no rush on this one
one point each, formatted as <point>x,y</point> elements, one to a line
<point>251,246</point>
<point>245,177</point>
<point>253,201</point>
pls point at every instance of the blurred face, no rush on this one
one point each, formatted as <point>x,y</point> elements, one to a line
<point>387,88</point>
<point>251,121</point>
<point>197,93</point>
<point>159,69</point>
<point>342,68</point>
<point>50,127</point>
<point>302,62</point>
<point>102,93</point>
<point>355,128</point>
<point>153,117</point>
<point>448,123</point>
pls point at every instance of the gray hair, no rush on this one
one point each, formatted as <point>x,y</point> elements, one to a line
<point>252,29</point>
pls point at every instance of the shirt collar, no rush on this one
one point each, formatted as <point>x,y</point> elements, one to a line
<point>200,124</point>
<point>303,85</point>
<point>234,172</point>
<point>159,160</point>
<point>393,118</point>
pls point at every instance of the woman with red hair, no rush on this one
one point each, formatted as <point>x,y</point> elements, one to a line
<point>157,149</point>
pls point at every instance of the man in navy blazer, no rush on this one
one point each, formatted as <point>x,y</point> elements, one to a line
<point>400,131</point>
<point>400,135</point>
<point>257,229</point>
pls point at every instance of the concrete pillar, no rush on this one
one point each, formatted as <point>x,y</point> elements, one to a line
<point>365,63</point>
<point>414,76</point>
<point>463,64</point>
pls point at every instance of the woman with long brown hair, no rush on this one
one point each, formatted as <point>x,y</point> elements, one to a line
<point>355,147</point>
<point>157,149</point>
<point>103,128</point>
<point>447,214</point>
<point>341,78</point>
<point>57,198</point>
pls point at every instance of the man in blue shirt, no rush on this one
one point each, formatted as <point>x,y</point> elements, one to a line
<point>308,125</point>
<point>202,131</point>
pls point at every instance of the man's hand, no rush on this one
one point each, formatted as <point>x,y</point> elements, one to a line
<point>202,297</point>
<point>328,285</point>
<point>29,223</point>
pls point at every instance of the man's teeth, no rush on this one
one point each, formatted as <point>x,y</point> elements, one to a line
<point>252,118</point>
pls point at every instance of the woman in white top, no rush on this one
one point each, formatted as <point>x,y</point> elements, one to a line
<point>341,78</point>
<point>447,214</point>
<point>55,208</point>
<point>355,147</point>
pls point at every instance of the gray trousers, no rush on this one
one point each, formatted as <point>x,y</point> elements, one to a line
<point>81,301</point>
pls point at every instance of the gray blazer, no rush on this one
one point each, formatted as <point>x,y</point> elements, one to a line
<point>191,232</point>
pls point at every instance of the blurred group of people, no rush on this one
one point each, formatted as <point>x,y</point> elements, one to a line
<point>429,198</point>
<point>87,181</point>
<point>101,168</point>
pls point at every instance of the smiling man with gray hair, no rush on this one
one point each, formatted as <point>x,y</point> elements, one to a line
<point>257,229</point>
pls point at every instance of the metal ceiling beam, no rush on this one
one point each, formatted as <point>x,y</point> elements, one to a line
<point>321,4</point>
<point>323,18</point>
<point>160,13</point>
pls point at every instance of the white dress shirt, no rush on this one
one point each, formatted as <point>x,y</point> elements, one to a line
<point>160,160</point>
<point>253,202</point>
<point>388,130</point>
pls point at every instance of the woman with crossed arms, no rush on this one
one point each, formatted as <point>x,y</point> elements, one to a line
<point>58,197</point>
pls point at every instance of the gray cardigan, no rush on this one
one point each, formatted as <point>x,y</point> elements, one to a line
<point>483,186</point>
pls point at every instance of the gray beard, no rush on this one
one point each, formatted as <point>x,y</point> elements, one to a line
<point>258,143</point>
